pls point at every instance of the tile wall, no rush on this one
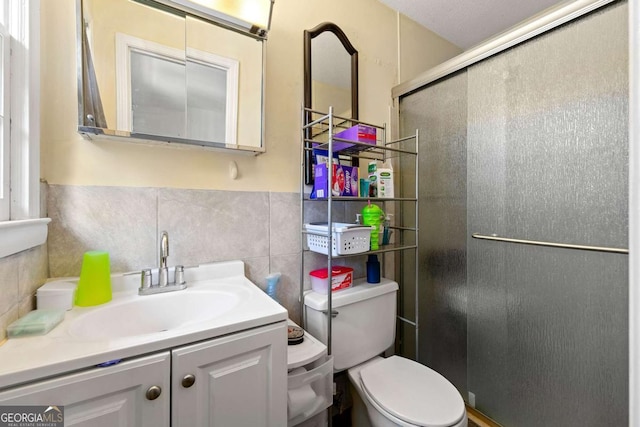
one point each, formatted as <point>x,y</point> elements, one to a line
<point>260,228</point>
<point>20,275</point>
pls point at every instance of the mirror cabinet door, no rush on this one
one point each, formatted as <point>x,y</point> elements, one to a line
<point>154,73</point>
<point>236,102</point>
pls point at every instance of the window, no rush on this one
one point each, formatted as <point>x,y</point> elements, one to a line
<point>5,199</point>
<point>152,97</point>
<point>20,224</point>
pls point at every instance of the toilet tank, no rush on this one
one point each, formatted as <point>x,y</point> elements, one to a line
<point>365,325</point>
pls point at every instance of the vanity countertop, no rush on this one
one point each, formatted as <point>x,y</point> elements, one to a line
<point>63,350</point>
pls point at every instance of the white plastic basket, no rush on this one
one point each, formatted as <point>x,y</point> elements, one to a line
<point>347,238</point>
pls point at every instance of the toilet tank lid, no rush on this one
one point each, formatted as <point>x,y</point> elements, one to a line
<point>360,290</point>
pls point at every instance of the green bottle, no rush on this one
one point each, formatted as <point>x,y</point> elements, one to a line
<point>373,215</point>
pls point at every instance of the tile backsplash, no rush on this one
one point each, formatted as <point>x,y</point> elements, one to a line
<point>20,275</point>
<point>263,229</point>
<point>259,228</point>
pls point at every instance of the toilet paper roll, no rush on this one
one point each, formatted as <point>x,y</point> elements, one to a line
<point>300,399</point>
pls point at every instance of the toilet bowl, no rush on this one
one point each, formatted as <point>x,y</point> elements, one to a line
<point>395,391</point>
<point>400,392</point>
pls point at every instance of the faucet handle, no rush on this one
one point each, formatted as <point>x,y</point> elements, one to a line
<point>179,275</point>
<point>145,279</point>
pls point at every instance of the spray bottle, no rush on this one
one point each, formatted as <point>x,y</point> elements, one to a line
<point>272,284</point>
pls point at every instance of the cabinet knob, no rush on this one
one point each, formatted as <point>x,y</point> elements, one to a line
<point>188,380</point>
<point>154,392</point>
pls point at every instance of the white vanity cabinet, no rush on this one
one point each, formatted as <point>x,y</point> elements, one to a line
<point>237,380</point>
<point>214,354</point>
<point>132,393</point>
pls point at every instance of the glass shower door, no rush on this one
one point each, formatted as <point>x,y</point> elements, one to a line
<point>529,144</point>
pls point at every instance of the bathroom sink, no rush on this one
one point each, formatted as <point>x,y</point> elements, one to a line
<point>219,301</point>
<point>141,315</point>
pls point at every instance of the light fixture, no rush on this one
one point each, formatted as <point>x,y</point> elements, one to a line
<point>252,17</point>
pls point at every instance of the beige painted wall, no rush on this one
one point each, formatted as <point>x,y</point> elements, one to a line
<point>420,50</point>
<point>325,95</point>
<point>69,159</point>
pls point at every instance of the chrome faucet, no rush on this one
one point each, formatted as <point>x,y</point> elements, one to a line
<point>163,279</point>
<point>147,287</point>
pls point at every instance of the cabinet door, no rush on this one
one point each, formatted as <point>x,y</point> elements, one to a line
<point>113,396</point>
<point>240,380</point>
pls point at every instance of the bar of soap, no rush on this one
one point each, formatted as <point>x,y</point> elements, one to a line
<point>36,322</point>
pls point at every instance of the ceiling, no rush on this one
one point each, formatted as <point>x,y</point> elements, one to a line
<point>466,23</point>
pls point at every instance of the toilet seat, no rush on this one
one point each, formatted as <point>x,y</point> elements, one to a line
<point>412,393</point>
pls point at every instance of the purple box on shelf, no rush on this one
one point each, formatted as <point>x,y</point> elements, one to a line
<point>358,133</point>
<point>345,181</point>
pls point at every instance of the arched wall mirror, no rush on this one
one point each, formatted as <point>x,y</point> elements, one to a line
<point>151,72</point>
<point>330,77</point>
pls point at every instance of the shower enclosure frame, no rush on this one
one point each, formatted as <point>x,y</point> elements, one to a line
<point>634,212</point>
<point>537,25</point>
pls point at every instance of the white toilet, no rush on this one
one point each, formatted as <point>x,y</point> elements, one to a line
<point>395,391</point>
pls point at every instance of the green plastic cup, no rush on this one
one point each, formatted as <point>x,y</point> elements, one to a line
<point>94,286</point>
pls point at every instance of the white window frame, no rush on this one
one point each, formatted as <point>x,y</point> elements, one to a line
<point>5,141</point>
<point>126,43</point>
<point>24,228</point>
<point>232,67</point>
